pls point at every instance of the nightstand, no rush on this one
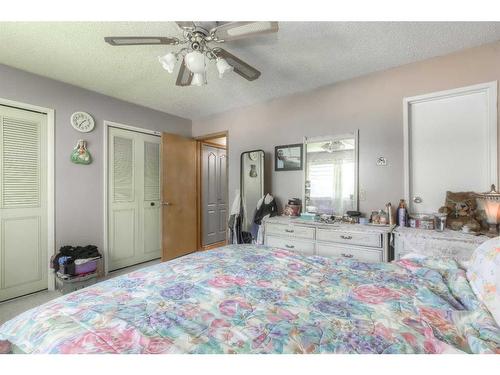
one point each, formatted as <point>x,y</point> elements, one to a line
<point>446,244</point>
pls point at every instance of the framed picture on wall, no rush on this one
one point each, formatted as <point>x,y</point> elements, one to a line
<point>288,157</point>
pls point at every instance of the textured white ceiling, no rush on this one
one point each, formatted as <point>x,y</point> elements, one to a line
<point>302,56</point>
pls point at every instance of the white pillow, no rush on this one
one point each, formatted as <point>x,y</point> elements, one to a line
<point>484,275</point>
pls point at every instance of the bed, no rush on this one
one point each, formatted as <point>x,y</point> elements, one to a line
<point>251,299</point>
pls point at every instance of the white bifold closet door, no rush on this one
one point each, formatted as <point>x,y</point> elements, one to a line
<point>23,202</point>
<point>133,198</point>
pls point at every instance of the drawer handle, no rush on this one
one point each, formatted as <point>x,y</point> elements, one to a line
<point>289,230</point>
<point>346,237</point>
<point>290,246</point>
<point>347,255</point>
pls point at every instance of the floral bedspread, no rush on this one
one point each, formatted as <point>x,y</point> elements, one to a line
<point>249,299</point>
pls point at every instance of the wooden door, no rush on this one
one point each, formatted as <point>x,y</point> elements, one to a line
<point>179,196</point>
<point>23,202</point>
<point>134,198</point>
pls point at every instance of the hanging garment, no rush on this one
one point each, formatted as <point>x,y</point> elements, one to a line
<point>266,207</point>
<point>234,222</point>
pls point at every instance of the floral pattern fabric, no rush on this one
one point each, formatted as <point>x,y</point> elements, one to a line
<point>484,275</point>
<point>250,299</point>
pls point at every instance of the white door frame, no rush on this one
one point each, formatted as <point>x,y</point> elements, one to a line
<point>106,126</point>
<point>490,88</point>
<point>51,246</point>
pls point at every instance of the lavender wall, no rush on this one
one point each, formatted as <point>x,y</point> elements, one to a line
<point>78,188</point>
<point>373,104</point>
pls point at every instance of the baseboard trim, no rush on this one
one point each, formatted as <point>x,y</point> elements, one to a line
<point>213,245</point>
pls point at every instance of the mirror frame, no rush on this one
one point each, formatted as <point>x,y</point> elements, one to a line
<point>241,169</point>
<point>307,140</point>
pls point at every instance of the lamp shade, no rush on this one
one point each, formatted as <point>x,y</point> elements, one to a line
<point>198,79</point>
<point>195,62</point>
<point>168,62</point>
<point>490,202</point>
<point>491,205</point>
<point>492,209</point>
<point>223,66</point>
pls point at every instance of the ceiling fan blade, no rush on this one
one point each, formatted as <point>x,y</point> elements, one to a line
<point>242,68</point>
<point>185,76</point>
<point>185,24</point>
<point>237,30</point>
<point>139,40</point>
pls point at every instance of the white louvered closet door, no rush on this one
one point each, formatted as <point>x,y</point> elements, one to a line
<point>134,198</point>
<point>23,202</point>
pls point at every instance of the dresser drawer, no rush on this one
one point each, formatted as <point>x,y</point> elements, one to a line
<point>351,238</point>
<point>292,244</point>
<point>334,251</point>
<point>290,231</point>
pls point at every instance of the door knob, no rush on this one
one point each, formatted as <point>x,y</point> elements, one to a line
<point>166,203</point>
<point>152,204</point>
<point>417,200</point>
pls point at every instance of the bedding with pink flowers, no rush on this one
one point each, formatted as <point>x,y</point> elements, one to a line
<point>250,299</point>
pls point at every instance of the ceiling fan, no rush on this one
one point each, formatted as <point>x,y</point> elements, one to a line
<point>200,42</point>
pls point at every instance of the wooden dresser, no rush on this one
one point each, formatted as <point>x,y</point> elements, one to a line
<point>363,242</point>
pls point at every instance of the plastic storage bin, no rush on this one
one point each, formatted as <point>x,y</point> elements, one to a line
<point>88,267</point>
<point>75,283</point>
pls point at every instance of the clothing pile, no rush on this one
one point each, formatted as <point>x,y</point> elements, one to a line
<point>266,207</point>
<point>76,261</point>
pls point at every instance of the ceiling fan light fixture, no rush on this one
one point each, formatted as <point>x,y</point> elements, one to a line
<point>223,66</point>
<point>168,62</point>
<point>199,79</point>
<point>199,45</point>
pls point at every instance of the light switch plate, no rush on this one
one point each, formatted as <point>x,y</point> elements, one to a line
<point>381,161</point>
<point>362,195</point>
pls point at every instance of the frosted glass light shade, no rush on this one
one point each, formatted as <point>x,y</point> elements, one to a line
<point>168,62</point>
<point>198,79</point>
<point>195,62</point>
<point>223,67</point>
<point>491,205</point>
<point>492,210</point>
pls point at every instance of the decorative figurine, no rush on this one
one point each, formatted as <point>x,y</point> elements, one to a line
<point>80,154</point>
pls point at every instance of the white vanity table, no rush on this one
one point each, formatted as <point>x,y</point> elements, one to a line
<point>362,242</point>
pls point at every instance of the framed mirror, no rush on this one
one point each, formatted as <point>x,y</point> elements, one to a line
<point>251,185</point>
<point>331,174</point>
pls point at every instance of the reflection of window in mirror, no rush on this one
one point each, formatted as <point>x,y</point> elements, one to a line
<point>331,174</point>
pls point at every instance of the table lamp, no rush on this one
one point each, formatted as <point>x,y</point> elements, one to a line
<point>491,205</point>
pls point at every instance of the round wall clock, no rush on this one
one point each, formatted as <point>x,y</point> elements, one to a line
<point>82,121</point>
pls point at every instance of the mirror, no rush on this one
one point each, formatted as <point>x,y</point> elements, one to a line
<point>331,174</point>
<point>252,185</point>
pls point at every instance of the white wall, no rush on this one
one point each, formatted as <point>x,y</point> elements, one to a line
<point>79,188</point>
<point>372,104</point>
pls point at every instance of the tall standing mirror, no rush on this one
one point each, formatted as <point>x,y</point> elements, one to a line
<point>252,185</point>
<point>331,174</point>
